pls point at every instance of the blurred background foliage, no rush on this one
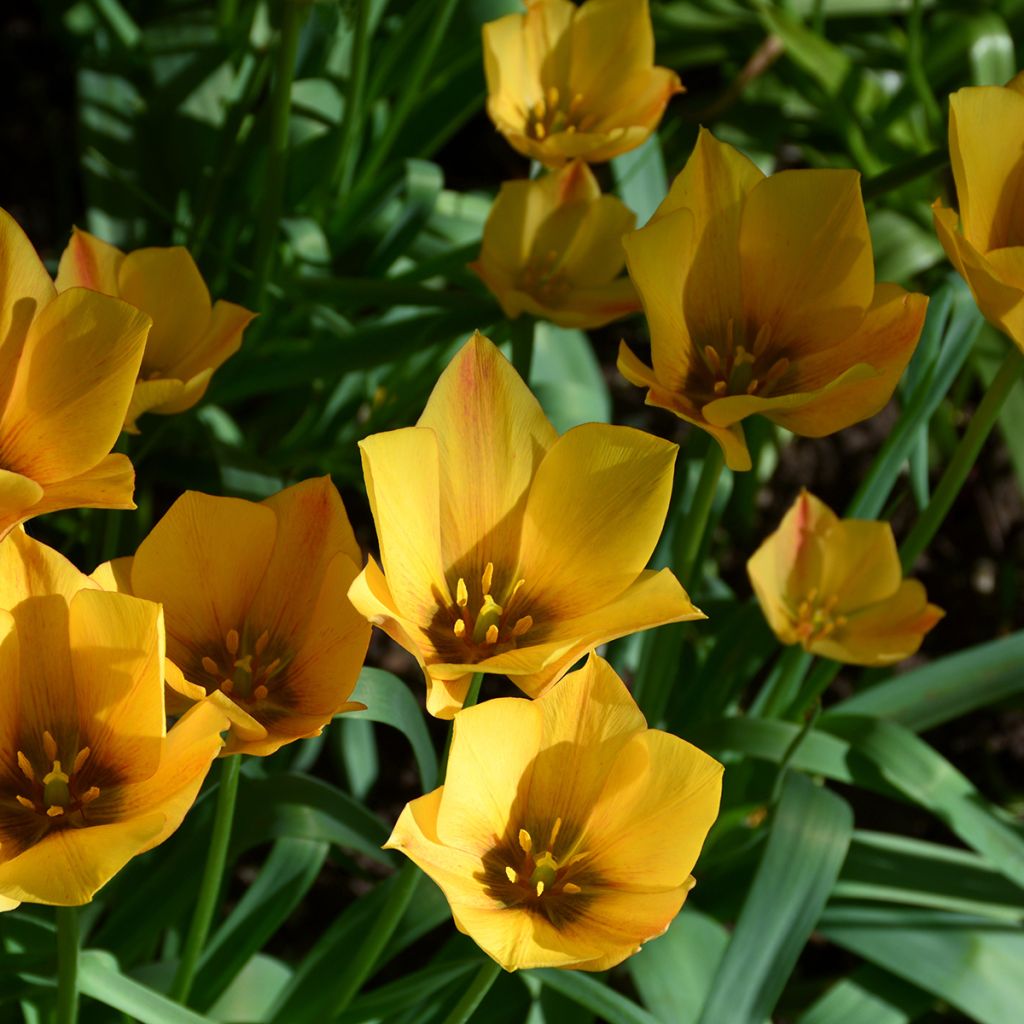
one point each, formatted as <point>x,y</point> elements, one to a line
<point>331,166</point>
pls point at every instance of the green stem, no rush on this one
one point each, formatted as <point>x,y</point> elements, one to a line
<point>781,689</point>
<point>522,346</point>
<point>67,965</point>
<point>344,168</point>
<point>964,457</point>
<point>210,886</point>
<point>686,544</point>
<point>474,995</point>
<point>819,680</point>
<point>293,17</point>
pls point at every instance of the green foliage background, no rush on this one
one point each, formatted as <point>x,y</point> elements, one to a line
<point>330,165</point>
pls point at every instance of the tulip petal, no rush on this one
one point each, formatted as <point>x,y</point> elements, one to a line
<point>108,484</point>
<point>150,395</point>
<point>806,256</point>
<point>10,701</point>
<point>883,633</point>
<point>221,340</point>
<point>487,782</point>
<point>29,568</point>
<point>612,42</point>
<point>989,174</point>
<point>18,496</point>
<point>594,255</point>
<point>89,262</point>
<point>72,386</point>
<point>601,489</point>
<point>859,565</point>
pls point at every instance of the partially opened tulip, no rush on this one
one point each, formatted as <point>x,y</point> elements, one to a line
<point>254,595</point>
<point>567,82</point>
<point>506,548</point>
<point>760,297</point>
<point>552,247</point>
<point>836,587</point>
<point>566,831</point>
<point>90,777</point>
<point>985,126</point>
<point>67,367</point>
<point>190,338</point>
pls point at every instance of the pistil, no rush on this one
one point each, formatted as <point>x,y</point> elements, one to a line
<point>490,624</point>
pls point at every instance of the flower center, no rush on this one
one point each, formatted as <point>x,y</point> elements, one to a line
<point>816,618</point>
<point>540,874</point>
<point>242,670</point>
<point>489,623</point>
<point>55,792</point>
<point>551,113</point>
<point>737,370</point>
<point>543,281</point>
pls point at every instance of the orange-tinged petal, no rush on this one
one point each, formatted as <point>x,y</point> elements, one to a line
<point>489,770</point>
<point>402,472</point>
<point>985,126</point>
<point>108,484</point>
<point>221,340</point>
<point>150,395</point>
<point>594,255</point>
<point>9,690</point>
<point>117,659</point>
<point>18,496</point>
<point>371,597</point>
<point>203,561</point>
<point>649,823</point>
<point>805,254</point>
<point>89,262</point>
<point>612,42</point>
<point>883,633</point>
<point>491,436</point>
<point>72,386</point>
<point>115,575</point>
<point>860,564</point>
<point>602,489</point>
<point>29,568</point>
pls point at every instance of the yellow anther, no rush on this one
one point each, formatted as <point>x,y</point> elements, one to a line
<point>491,637</point>
<point>209,665</point>
<point>25,802</point>
<point>522,625</point>
<point>553,97</point>
<point>54,812</point>
<point>26,767</point>
<point>555,829</point>
<point>260,693</point>
<point>525,840</point>
<point>763,337</point>
<point>80,759</point>
<point>539,109</point>
<point>226,686</point>
<point>461,593</point>
<point>720,387</point>
<point>231,642</point>
<point>538,131</point>
<point>488,578</point>
<point>272,667</point>
<point>510,874</point>
<point>49,745</point>
<point>576,103</point>
<point>571,888</point>
<point>753,386</point>
<point>460,629</point>
<point>515,590</point>
<point>261,644</point>
<point>713,358</point>
<point>540,888</point>
<point>89,795</point>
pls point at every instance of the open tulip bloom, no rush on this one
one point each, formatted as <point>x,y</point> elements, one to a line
<point>567,82</point>
<point>68,364</point>
<point>552,247</point>
<point>254,595</point>
<point>760,297</point>
<point>506,548</point>
<point>566,830</point>
<point>836,587</point>
<point>190,337</point>
<point>985,126</point>
<point>89,774</point>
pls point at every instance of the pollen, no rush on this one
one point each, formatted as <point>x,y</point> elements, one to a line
<point>510,872</point>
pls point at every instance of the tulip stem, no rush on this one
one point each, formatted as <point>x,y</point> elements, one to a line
<point>963,459</point>
<point>522,347</point>
<point>210,886</point>
<point>67,965</point>
<point>686,545</point>
<point>782,687</point>
<point>474,995</point>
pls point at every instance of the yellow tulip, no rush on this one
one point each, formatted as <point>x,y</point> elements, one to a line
<point>67,366</point>
<point>89,775</point>
<point>567,82</point>
<point>254,595</point>
<point>760,297</point>
<point>836,587</point>
<point>505,547</point>
<point>985,126</point>
<point>566,830</point>
<point>190,338</point>
<point>552,247</point>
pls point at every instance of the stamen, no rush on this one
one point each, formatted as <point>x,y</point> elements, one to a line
<point>55,811</point>
<point>461,593</point>
<point>272,667</point>
<point>80,759</point>
<point>713,358</point>
<point>231,642</point>
<point>261,644</point>
<point>49,745</point>
<point>720,387</point>
<point>460,628</point>
<point>89,795</point>
<point>515,590</point>
<point>571,888</point>
<point>488,578</point>
<point>576,103</point>
<point>260,693</point>
<point>209,665</point>
<point>540,888</point>
<point>555,829</point>
<point>539,109</point>
<point>753,386</point>
<point>525,841</point>
<point>538,130</point>
<point>762,339</point>
<point>522,625</point>
<point>511,875</point>
<point>491,636</point>
<point>26,767</point>
<point>226,686</point>
<point>553,96</point>
<point>25,802</point>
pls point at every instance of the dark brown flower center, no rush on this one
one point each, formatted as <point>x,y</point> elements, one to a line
<point>246,670</point>
<point>55,788</point>
<point>730,368</point>
<point>557,111</point>
<point>477,619</point>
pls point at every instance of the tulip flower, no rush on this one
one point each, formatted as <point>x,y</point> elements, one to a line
<point>552,247</point>
<point>567,82</point>
<point>507,548</point>
<point>89,774</point>
<point>566,831</point>
<point>760,297</point>
<point>836,587</point>
<point>190,338</point>
<point>67,366</point>
<point>254,595</point>
<point>985,123</point>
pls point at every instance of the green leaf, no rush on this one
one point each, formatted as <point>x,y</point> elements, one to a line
<point>673,973</point>
<point>387,1001</point>
<point>808,841</point>
<point>100,978</point>
<point>969,962</point>
<point>390,701</point>
<point>567,378</point>
<point>868,996</point>
<point>641,179</point>
<point>252,990</point>
<point>588,991</point>
<point>991,51</point>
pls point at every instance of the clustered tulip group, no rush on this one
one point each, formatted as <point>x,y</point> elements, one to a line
<point>565,831</point>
